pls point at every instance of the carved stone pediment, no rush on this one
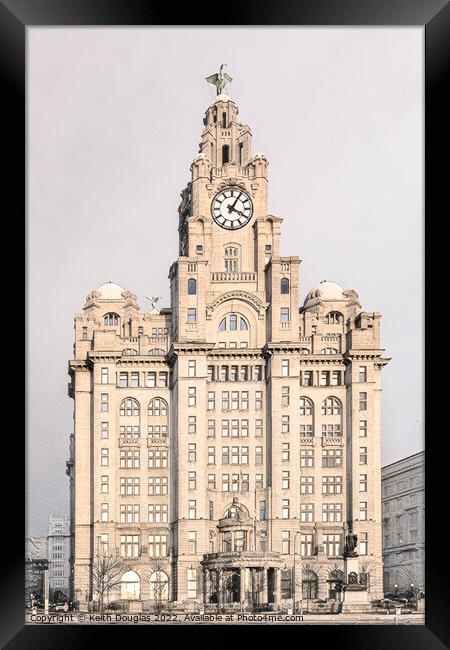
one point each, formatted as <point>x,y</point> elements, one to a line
<point>245,296</point>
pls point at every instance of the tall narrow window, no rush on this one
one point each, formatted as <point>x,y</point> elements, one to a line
<point>231,259</point>
<point>191,315</point>
<point>241,153</point>
<point>284,285</point>
<point>224,120</point>
<point>225,154</point>
<point>192,286</point>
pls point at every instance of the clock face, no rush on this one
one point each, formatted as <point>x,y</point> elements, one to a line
<point>232,208</point>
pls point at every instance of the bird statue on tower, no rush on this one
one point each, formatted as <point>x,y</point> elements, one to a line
<point>220,80</point>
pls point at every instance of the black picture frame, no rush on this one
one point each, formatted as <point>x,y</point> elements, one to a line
<point>15,17</point>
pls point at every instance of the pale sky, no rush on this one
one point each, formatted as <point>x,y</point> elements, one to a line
<point>114,121</point>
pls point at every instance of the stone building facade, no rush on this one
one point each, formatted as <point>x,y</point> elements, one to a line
<point>226,445</point>
<point>403,509</point>
<point>59,554</point>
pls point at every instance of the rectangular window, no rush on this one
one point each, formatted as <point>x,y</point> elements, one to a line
<point>259,482</point>
<point>192,542</point>
<point>129,458</point>
<point>285,480</point>
<point>363,428</point>
<point>211,456</point>
<point>285,395</point>
<point>104,433</point>
<point>363,401</point>
<point>307,378</point>
<point>286,542</point>
<point>306,545</point>
<point>285,451</point>
<point>306,431</point>
<point>157,513</point>
<point>244,455</point>
<point>225,455</point>
<point>362,374</point>
<point>157,458</point>
<point>331,484</point>
<point>163,379</point>
<point>192,583</point>
<point>363,510</point>
<point>336,378</point>
<point>151,380</point>
<point>158,485</point>
<point>191,315</point>
<point>363,543</point>
<point>192,396</point>
<point>259,456</point>
<point>225,482</point>
<point>104,457</point>
<point>211,507</point>
<point>285,368</point>
<point>104,403</point>
<point>104,376</point>
<point>211,428</point>
<point>123,379</point>
<point>104,486</point>
<point>258,428</point>
<point>306,485</point>
<point>285,509</point>
<point>306,458</point>
<point>211,481</point>
<point>258,400</point>
<point>192,424</point>
<point>192,368</point>
<point>363,455</point>
<point>129,485</point>
<point>157,545</point>
<point>331,512</point>
<point>225,400</point>
<point>257,373</point>
<point>332,544</point>
<point>192,509</point>
<point>211,401</point>
<point>363,482</point>
<point>285,424</point>
<point>284,314</point>
<point>84,334</point>
<point>332,458</point>
<point>263,510</point>
<point>210,374</point>
<point>192,452</point>
<point>129,513</point>
<point>129,545</point>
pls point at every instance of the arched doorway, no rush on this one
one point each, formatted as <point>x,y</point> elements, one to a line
<point>159,586</point>
<point>309,585</point>
<point>130,586</point>
<point>232,588</point>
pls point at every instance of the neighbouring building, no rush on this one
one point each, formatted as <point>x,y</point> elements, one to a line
<point>226,445</point>
<point>403,498</point>
<point>59,554</point>
<point>35,562</point>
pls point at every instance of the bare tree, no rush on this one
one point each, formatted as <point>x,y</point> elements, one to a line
<point>367,569</point>
<point>107,572</point>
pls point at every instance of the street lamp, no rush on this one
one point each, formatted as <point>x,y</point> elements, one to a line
<point>413,589</point>
<point>395,589</point>
<point>294,577</point>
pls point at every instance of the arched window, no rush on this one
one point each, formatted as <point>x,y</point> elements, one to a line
<point>159,586</point>
<point>156,352</point>
<point>111,319</point>
<point>331,406</point>
<point>157,407</point>
<point>231,259</point>
<point>306,406</point>
<point>233,322</point>
<point>309,585</point>
<point>334,318</point>
<point>129,407</point>
<point>304,351</point>
<point>225,154</point>
<point>192,286</point>
<point>329,351</point>
<point>284,285</point>
<point>224,120</point>
<point>129,352</point>
<point>130,586</point>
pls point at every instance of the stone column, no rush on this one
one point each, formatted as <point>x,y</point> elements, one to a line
<point>205,585</point>
<point>265,598</point>
<point>219,587</point>
<point>277,588</point>
<point>242,586</point>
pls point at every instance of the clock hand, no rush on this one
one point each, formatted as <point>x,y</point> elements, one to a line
<point>237,211</point>
<point>232,207</point>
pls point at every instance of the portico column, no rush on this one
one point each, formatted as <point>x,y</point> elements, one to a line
<point>242,586</point>
<point>219,587</point>
<point>205,586</point>
<point>277,587</point>
<point>265,597</point>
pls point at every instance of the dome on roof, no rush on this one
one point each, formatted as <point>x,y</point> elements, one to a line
<point>110,291</point>
<point>221,98</point>
<point>327,291</point>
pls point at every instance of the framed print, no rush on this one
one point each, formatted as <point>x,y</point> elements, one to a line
<point>224,251</point>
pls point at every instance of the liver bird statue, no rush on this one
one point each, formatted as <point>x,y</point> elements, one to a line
<point>220,80</point>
